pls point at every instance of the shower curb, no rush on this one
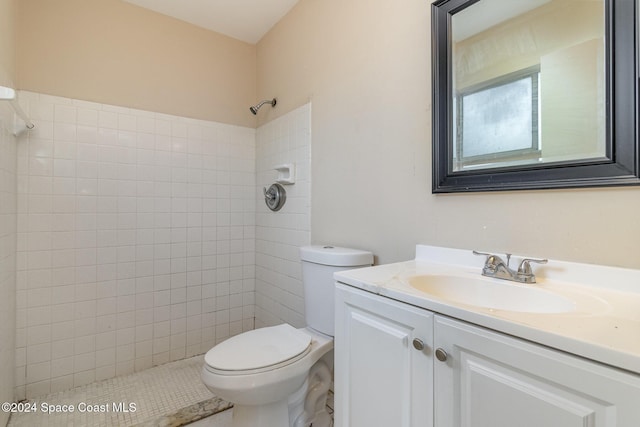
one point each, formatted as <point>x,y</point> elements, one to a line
<point>188,414</point>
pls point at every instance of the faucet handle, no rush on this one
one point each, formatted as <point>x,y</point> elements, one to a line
<point>482,253</point>
<point>525,266</point>
<point>490,263</point>
<point>491,258</point>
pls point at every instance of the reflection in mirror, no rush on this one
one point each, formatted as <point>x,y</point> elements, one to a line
<point>528,82</point>
<point>534,94</point>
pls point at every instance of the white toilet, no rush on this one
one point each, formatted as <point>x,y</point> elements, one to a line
<point>279,376</point>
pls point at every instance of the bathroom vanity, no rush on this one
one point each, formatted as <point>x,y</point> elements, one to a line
<point>474,352</point>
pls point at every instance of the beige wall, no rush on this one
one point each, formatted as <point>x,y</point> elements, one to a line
<point>112,52</point>
<point>365,65</point>
<point>572,93</point>
<point>7,42</point>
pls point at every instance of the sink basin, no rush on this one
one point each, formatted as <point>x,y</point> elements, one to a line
<point>492,293</point>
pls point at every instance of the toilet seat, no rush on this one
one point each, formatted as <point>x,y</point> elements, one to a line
<point>258,351</point>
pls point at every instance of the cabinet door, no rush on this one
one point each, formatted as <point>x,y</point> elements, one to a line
<point>493,380</point>
<point>381,378</point>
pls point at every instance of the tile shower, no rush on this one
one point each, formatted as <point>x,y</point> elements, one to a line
<point>279,290</point>
<point>142,238</point>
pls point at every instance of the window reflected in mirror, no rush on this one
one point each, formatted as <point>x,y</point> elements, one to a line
<point>498,121</point>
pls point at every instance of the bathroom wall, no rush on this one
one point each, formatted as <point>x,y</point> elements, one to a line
<point>8,209</point>
<point>135,240</point>
<point>369,79</point>
<point>7,42</point>
<point>113,52</point>
<point>279,291</point>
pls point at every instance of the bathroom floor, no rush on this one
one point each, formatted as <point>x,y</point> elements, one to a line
<point>166,395</point>
<point>223,419</point>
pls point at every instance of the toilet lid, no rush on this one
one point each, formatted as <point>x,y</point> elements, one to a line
<point>258,348</point>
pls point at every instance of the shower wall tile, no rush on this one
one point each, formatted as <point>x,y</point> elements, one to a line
<point>8,230</point>
<point>135,240</point>
<point>278,287</point>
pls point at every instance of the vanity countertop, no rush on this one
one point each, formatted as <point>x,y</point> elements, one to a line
<point>604,326</point>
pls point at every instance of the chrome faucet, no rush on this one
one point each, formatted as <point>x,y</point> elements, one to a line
<point>494,266</point>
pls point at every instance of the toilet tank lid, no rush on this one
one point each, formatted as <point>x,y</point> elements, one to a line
<point>335,256</point>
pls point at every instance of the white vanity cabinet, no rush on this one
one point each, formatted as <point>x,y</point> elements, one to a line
<point>490,379</point>
<point>383,362</point>
<point>465,376</point>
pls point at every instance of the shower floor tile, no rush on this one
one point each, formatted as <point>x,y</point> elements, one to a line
<point>170,394</point>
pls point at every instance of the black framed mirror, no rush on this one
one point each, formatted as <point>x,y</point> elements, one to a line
<point>534,94</point>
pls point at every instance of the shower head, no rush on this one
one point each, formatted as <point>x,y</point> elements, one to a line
<point>254,109</point>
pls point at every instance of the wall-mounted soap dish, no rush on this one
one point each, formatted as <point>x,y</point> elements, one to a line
<point>286,173</point>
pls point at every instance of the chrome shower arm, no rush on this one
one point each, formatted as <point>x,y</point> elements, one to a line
<point>254,109</point>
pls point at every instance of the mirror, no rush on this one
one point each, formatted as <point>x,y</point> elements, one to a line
<point>534,94</point>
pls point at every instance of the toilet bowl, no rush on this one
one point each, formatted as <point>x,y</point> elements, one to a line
<point>274,365</point>
<point>279,376</point>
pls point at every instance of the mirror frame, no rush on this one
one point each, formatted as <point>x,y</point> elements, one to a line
<point>621,164</point>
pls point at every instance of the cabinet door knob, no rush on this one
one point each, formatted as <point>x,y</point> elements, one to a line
<point>418,344</point>
<point>441,355</point>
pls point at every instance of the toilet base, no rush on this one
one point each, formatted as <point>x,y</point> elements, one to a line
<point>275,414</point>
<point>307,405</point>
<point>270,415</point>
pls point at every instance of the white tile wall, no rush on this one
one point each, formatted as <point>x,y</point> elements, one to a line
<point>279,291</point>
<point>8,229</point>
<point>135,243</point>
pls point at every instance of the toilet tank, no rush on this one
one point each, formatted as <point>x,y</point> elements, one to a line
<point>318,265</point>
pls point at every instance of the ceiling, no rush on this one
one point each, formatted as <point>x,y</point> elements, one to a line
<point>246,20</point>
